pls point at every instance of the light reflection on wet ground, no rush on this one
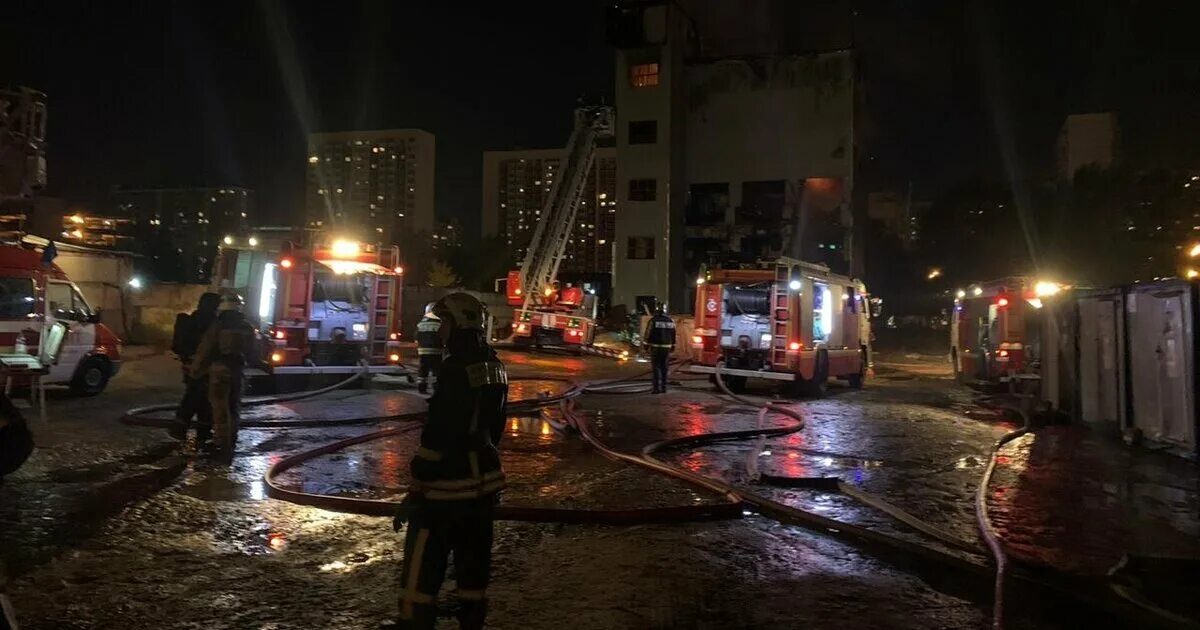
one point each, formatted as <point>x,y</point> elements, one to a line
<point>211,552</point>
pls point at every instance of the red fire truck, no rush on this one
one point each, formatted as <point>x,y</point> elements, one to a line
<point>784,320</point>
<point>556,316</point>
<point>993,331</point>
<point>543,311</point>
<point>324,307</point>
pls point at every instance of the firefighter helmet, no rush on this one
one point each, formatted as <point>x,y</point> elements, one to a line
<point>429,310</point>
<point>231,302</point>
<point>462,311</point>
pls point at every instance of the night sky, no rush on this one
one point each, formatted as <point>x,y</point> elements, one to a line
<point>223,93</point>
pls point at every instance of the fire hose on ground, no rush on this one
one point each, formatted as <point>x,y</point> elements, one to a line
<point>141,416</point>
<point>734,500</point>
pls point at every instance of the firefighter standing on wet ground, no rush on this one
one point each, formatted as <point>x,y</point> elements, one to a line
<point>226,348</point>
<point>429,349</point>
<point>456,473</point>
<point>189,328</point>
<point>660,339</point>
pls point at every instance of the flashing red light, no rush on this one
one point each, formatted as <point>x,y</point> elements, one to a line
<point>394,336</point>
<point>1002,302</point>
<point>398,270</point>
<point>573,333</point>
<point>279,334</point>
<point>697,339</point>
<point>795,345</point>
<point>286,263</point>
<point>1002,353</point>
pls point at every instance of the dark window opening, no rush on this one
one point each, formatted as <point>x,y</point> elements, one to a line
<point>643,131</point>
<point>706,204</point>
<point>643,189</point>
<point>640,248</point>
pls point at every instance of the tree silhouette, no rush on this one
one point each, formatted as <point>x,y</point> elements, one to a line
<point>441,276</point>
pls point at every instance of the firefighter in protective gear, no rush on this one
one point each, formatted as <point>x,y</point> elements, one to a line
<point>660,339</point>
<point>226,348</point>
<point>429,349</point>
<point>189,328</point>
<point>456,474</point>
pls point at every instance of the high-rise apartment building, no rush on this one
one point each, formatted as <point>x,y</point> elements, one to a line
<point>180,228</point>
<point>447,236</point>
<point>734,139</point>
<point>515,187</point>
<point>374,185</point>
<point>1086,140</point>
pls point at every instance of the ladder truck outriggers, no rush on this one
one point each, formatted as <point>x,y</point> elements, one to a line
<point>544,312</point>
<point>329,306</point>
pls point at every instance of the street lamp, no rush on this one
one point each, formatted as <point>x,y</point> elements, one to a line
<point>933,273</point>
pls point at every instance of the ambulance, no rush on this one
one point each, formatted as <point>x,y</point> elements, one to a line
<point>35,294</point>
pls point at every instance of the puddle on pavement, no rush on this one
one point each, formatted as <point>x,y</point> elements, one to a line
<point>216,488</point>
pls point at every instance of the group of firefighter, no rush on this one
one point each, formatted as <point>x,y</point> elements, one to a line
<point>456,476</point>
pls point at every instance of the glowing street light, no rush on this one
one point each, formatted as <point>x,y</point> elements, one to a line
<point>1194,251</point>
<point>1045,288</point>
<point>933,273</point>
<point>1192,274</point>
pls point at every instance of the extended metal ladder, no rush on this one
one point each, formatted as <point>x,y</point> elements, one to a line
<point>549,243</point>
<point>780,314</point>
<point>381,301</point>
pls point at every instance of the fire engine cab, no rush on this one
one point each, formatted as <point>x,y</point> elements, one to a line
<point>34,295</point>
<point>994,330</point>
<point>555,316</point>
<point>326,308</point>
<point>783,320</point>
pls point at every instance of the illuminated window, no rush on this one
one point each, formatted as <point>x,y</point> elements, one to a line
<point>643,75</point>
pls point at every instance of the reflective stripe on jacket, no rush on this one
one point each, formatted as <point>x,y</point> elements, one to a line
<point>458,459</point>
<point>660,332</point>
<point>429,341</point>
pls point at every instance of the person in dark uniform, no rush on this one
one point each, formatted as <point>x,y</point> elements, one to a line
<point>456,473</point>
<point>16,440</point>
<point>660,338</point>
<point>429,349</point>
<point>228,346</point>
<point>186,339</point>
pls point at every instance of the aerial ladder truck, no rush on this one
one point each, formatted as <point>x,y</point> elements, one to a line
<point>544,312</point>
<point>22,142</point>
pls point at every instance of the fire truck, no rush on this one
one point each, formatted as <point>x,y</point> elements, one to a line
<point>783,320</point>
<point>324,307</point>
<point>544,311</point>
<point>994,330</point>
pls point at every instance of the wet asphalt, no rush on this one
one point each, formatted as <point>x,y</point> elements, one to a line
<point>112,526</point>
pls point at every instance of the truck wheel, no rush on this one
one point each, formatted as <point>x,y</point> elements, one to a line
<point>815,386</point>
<point>856,379</point>
<point>92,377</point>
